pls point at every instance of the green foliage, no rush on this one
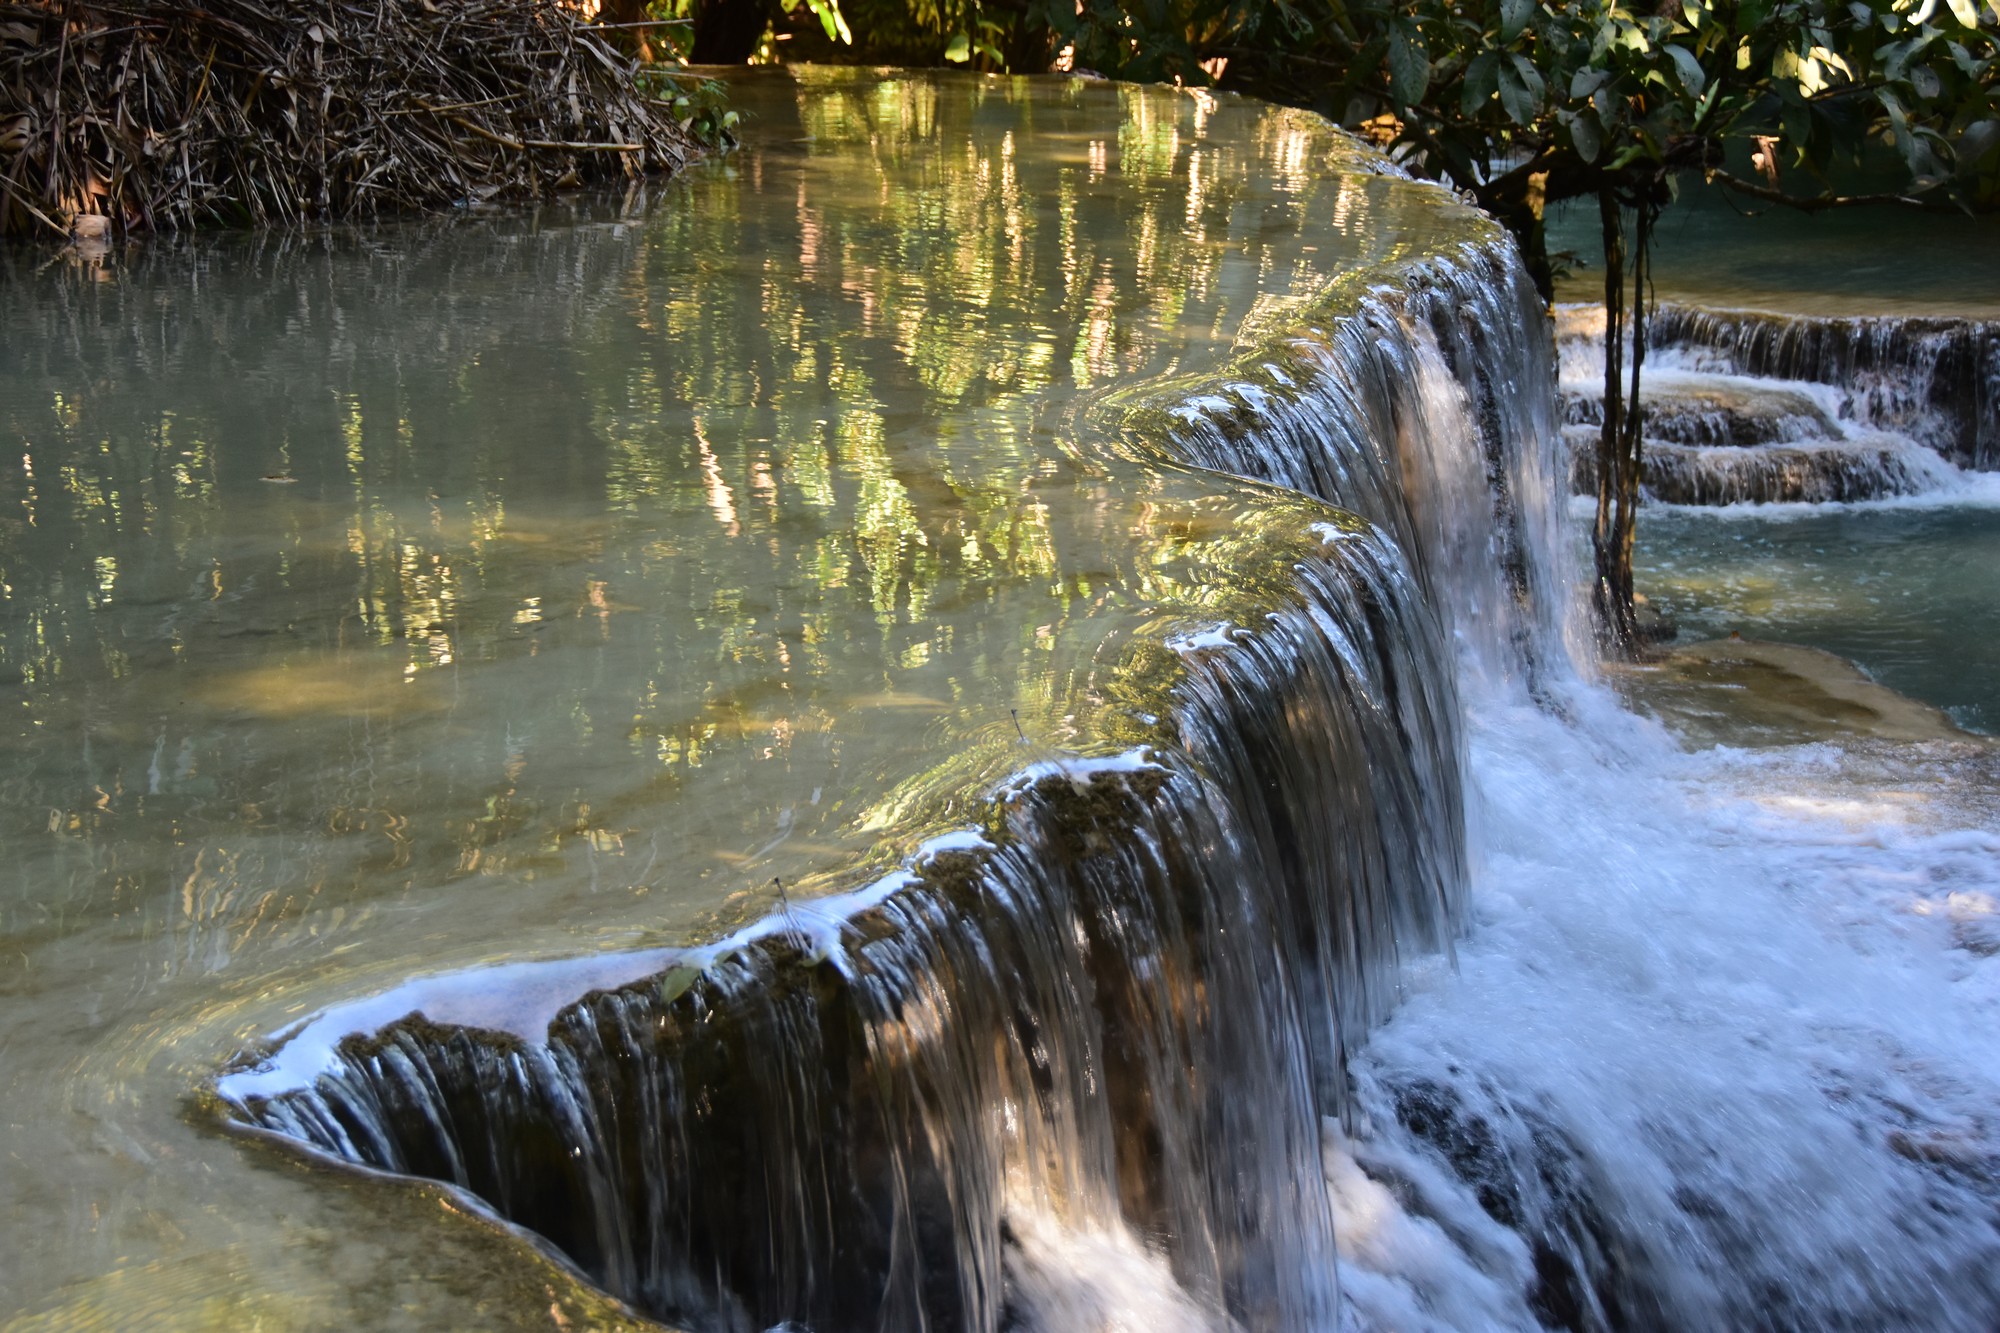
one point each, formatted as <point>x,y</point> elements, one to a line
<point>701,104</point>
<point>1522,103</point>
<point>1597,91</point>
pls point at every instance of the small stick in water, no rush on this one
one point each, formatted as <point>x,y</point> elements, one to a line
<point>785,900</point>
<point>1015,713</point>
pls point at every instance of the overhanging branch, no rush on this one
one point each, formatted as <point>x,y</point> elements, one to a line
<point>1818,203</point>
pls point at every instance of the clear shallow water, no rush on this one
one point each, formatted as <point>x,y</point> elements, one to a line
<point>385,603</point>
<point>1911,592</point>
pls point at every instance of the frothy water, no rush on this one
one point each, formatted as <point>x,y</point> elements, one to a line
<point>1720,1051</point>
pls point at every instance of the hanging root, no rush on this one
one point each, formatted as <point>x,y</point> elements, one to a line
<point>164,114</point>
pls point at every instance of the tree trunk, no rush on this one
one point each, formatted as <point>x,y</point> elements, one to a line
<point>1618,441</point>
<point>633,40</point>
<point>726,32</point>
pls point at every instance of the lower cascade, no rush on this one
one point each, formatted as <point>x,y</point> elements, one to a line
<point>1375,970</point>
<point>1750,408</point>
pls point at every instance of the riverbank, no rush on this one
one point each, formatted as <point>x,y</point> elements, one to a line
<point>165,116</point>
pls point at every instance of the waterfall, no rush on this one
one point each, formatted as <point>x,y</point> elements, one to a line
<point>1110,1015</point>
<point>1746,408</point>
<point>1429,411</point>
<point>1934,379</point>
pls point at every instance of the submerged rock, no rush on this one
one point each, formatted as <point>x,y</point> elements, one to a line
<point>1740,691</point>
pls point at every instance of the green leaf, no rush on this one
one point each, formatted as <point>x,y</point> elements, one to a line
<point>1514,16</point>
<point>1531,78</point>
<point>1707,98</point>
<point>1979,139</point>
<point>1689,69</point>
<point>1587,81</point>
<point>1514,95</point>
<point>1796,120</point>
<point>1965,11</point>
<point>960,49</point>
<point>831,20</point>
<point>1899,126</point>
<point>1896,56</point>
<point>1585,135</point>
<point>1409,67</point>
<point>1481,81</point>
<point>675,982</point>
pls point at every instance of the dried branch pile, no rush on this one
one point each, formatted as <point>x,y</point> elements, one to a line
<point>160,114</point>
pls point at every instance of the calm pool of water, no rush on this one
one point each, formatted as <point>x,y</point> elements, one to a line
<point>1912,594</point>
<point>1714,250</point>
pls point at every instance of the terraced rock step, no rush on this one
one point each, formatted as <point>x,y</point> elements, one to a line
<point>1753,408</point>
<point>1683,408</point>
<point>1825,472</point>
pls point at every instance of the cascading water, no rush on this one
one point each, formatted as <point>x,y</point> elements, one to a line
<point>1119,1005</point>
<point>1427,409</point>
<point>1748,408</point>
<point>1936,380</point>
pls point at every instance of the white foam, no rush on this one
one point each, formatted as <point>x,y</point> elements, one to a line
<point>1094,1279</point>
<point>1752,983</point>
<point>522,999</point>
<point>1208,638</point>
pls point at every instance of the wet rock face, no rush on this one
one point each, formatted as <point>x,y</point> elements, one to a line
<point>1935,379</point>
<point>1717,414</point>
<point>1832,471</point>
<point>1527,1175</point>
